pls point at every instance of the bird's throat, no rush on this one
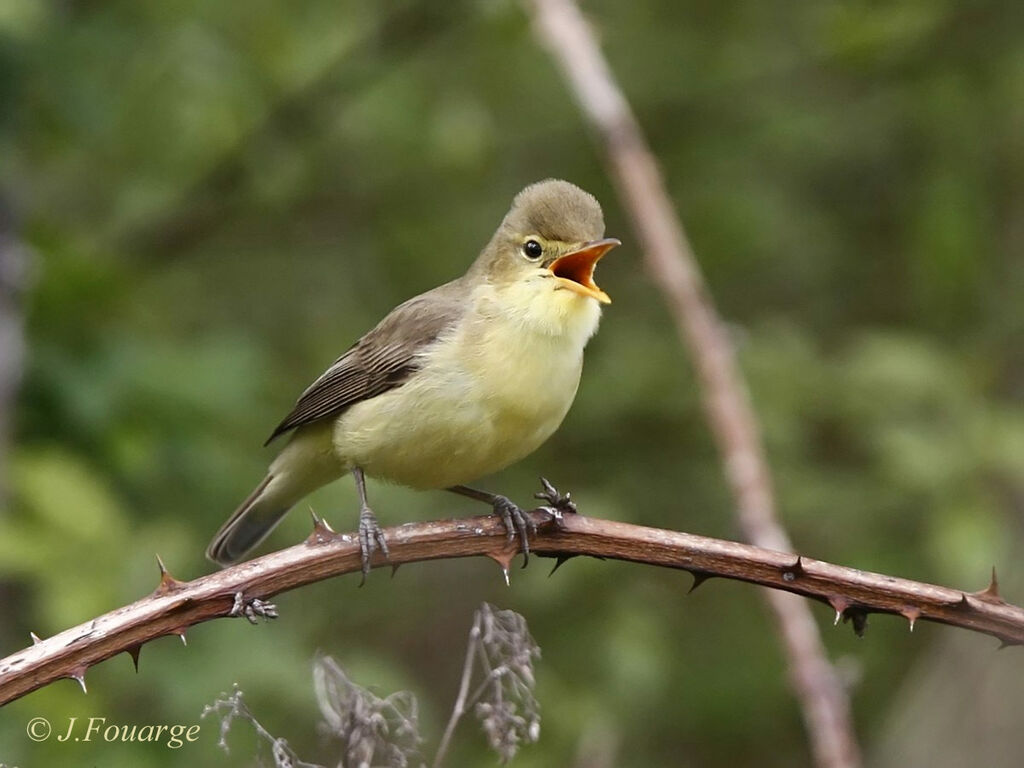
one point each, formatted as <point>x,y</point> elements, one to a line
<point>517,312</point>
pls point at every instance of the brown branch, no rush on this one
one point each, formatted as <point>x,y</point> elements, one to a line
<point>175,606</point>
<point>671,262</point>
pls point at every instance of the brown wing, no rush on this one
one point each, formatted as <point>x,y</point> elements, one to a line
<point>383,359</point>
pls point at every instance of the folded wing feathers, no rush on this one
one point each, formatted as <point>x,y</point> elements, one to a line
<point>383,359</point>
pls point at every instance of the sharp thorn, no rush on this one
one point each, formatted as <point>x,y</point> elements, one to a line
<point>791,572</point>
<point>504,560</point>
<point>322,530</point>
<point>699,577</point>
<point>35,638</point>
<point>859,620</point>
<point>167,583</point>
<point>560,560</point>
<point>991,592</point>
<point>394,569</point>
<point>911,614</point>
<point>840,604</point>
<point>134,652</point>
<point>78,674</point>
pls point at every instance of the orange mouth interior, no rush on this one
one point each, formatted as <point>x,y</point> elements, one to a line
<point>576,269</point>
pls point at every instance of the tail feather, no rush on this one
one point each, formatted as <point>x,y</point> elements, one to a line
<point>307,462</point>
<point>247,526</point>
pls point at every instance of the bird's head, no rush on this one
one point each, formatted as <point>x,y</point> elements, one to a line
<point>550,241</point>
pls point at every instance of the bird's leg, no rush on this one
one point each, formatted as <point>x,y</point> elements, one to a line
<point>370,534</point>
<point>515,520</point>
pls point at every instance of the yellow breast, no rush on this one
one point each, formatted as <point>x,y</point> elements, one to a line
<point>488,394</point>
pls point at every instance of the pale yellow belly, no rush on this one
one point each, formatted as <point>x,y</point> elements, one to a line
<point>471,411</point>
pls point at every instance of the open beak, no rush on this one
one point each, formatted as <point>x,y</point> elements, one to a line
<point>575,270</point>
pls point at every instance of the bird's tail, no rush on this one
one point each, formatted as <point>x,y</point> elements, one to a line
<point>304,464</point>
<point>248,525</point>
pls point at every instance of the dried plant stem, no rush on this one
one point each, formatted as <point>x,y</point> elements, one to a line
<point>460,701</point>
<point>175,606</point>
<point>671,262</point>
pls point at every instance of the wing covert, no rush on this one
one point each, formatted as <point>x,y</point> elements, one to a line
<point>381,360</point>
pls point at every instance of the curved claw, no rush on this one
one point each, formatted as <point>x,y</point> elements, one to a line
<point>371,537</point>
<point>555,500</point>
<point>515,521</point>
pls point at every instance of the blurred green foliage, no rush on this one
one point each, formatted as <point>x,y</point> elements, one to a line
<point>221,197</point>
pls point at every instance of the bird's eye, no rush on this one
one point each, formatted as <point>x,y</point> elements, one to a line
<point>532,250</point>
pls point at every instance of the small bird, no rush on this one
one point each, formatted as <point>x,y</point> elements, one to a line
<point>454,384</point>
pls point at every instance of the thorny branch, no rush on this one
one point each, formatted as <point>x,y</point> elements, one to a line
<point>670,260</point>
<point>175,606</point>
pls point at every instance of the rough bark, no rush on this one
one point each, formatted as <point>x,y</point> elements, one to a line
<point>242,590</point>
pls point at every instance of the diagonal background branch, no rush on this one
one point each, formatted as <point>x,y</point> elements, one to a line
<point>671,261</point>
<point>239,591</point>
<point>14,277</point>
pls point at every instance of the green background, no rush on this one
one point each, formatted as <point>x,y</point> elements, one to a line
<point>217,199</point>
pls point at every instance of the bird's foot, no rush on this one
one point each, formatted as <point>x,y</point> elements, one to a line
<point>516,521</point>
<point>371,538</point>
<point>559,504</point>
